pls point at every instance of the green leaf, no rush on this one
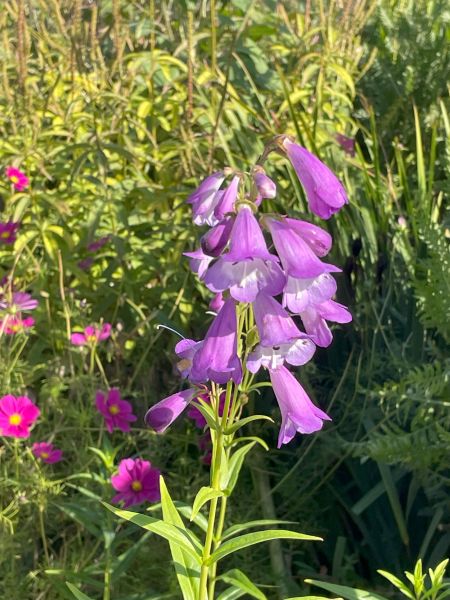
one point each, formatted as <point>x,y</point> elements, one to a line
<point>235,465</point>
<point>169,532</point>
<point>250,539</point>
<point>398,583</point>
<point>243,526</point>
<point>187,568</point>
<point>231,594</point>
<point>346,592</point>
<point>312,598</point>
<point>245,421</point>
<point>239,580</point>
<point>204,495</point>
<point>76,592</point>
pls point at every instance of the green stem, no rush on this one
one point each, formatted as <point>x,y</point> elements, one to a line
<point>43,535</point>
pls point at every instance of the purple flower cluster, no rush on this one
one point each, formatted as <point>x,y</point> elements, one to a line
<point>236,262</point>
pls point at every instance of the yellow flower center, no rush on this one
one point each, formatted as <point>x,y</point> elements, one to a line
<point>14,179</point>
<point>136,486</point>
<point>114,409</point>
<point>45,454</point>
<point>5,235</point>
<point>15,327</point>
<point>92,339</point>
<point>15,419</point>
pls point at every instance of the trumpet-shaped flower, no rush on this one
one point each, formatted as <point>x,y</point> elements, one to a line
<point>280,338</point>
<point>46,452</point>
<point>227,200</point>
<point>325,193</point>
<point>296,255</point>
<point>214,241</point>
<point>265,186</point>
<point>204,199</point>
<point>217,358</point>
<point>318,239</point>
<point>8,232</point>
<point>118,413</point>
<point>248,267</point>
<point>298,413</point>
<point>137,481</point>
<point>161,415</point>
<point>315,320</point>
<point>17,415</point>
<point>18,178</point>
<point>91,335</point>
<point>185,350</point>
<point>299,294</point>
<point>199,261</point>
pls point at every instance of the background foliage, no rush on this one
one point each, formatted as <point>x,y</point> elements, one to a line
<point>116,110</point>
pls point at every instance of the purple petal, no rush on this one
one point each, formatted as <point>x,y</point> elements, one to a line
<point>160,416</point>
<point>247,240</point>
<point>214,242</point>
<point>226,203</point>
<point>319,240</point>
<point>275,326</point>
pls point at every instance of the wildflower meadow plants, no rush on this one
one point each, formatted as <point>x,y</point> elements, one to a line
<point>269,280</point>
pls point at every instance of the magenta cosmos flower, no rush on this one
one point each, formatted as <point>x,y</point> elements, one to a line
<point>118,413</point>
<point>18,178</point>
<point>17,415</point>
<point>18,302</point>
<point>46,452</point>
<point>298,413</point>
<point>12,325</point>
<point>8,232</point>
<point>248,267</point>
<point>91,335</point>
<point>136,482</point>
<point>325,193</point>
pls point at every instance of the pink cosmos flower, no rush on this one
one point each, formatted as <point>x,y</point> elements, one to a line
<point>117,413</point>
<point>8,232</point>
<point>136,482</point>
<point>12,325</point>
<point>18,302</point>
<point>18,178</point>
<point>46,452</point>
<point>91,335</point>
<point>17,415</point>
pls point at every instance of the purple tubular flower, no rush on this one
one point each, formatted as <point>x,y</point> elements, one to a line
<point>325,193</point>
<point>160,416</point>
<point>298,293</point>
<point>280,338</point>
<point>248,267</point>
<point>227,201</point>
<point>217,359</point>
<point>185,350</point>
<point>298,413</point>
<point>199,261</point>
<point>297,257</point>
<point>215,240</point>
<point>319,240</point>
<point>315,320</point>
<point>266,187</point>
<point>204,199</point>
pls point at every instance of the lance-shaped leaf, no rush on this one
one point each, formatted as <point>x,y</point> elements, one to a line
<point>205,494</point>
<point>234,467</point>
<point>76,592</point>
<point>169,532</point>
<point>187,568</point>
<point>346,592</point>
<point>238,424</point>
<point>250,539</point>
<point>239,580</point>
<point>234,529</point>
